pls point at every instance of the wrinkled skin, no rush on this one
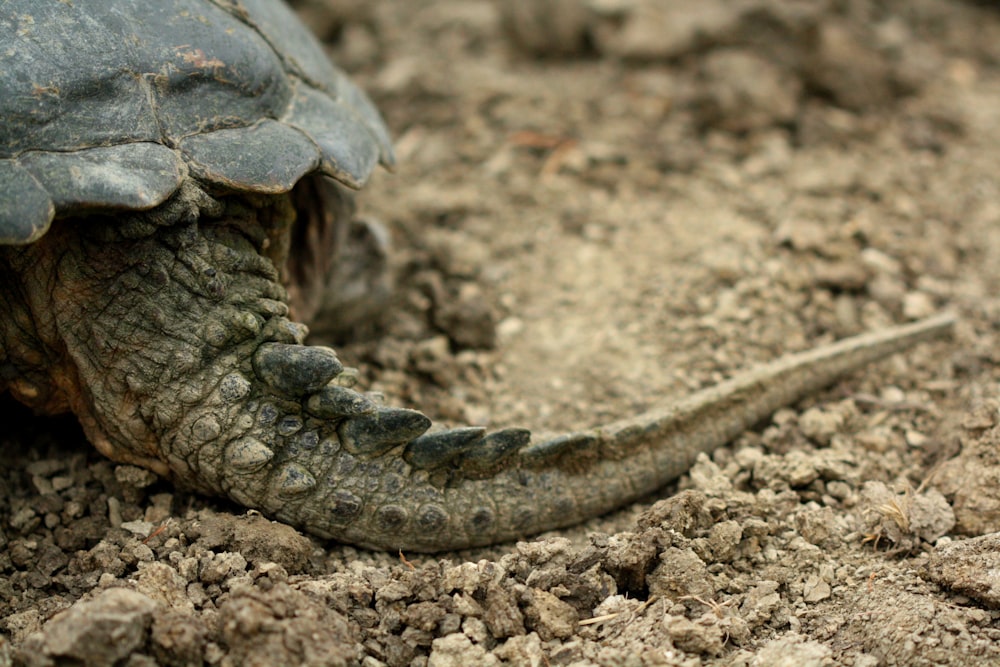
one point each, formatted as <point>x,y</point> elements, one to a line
<point>128,322</point>
<point>168,335</point>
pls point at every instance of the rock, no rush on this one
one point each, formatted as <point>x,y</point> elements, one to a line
<point>283,626</point>
<point>969,567</point>
<point>793,650</point>
<point>100,631</point>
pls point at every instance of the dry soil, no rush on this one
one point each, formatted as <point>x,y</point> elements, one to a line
<point>600,205</point>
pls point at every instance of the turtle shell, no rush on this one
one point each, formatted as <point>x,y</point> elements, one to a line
<point>111,104</point>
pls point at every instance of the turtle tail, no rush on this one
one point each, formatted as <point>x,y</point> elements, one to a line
<point>379,484</point>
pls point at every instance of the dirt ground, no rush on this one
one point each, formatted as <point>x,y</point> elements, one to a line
<point>601,204</point>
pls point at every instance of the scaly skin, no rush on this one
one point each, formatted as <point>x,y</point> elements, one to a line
<point>168,336</point>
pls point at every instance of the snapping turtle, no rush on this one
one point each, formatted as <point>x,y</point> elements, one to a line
<point>174,197</point>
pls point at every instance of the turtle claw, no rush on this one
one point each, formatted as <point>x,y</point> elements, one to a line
<point>435,450</point>
<point>296,370</point>
<point>381,430</point>
<point>336,402</point>
<point>468,449</point>
<point>494,450</point>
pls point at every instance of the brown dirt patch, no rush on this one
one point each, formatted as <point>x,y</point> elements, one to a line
<point>671,199</point>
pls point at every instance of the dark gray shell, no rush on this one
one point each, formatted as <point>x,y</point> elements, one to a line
<point>111,104</point>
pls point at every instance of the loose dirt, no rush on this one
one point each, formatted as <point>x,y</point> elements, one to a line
<point>600,205</point>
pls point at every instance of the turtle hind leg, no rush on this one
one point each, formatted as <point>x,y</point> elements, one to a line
<point>170,340</point>
<point>132,319</point>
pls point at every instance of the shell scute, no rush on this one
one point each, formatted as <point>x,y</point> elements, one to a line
<point>290,153</point>
<point>350,151</point>
<point>239,91</point>
<point>136,176</point>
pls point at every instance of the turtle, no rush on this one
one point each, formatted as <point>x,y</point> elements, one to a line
<point>176,200</point>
